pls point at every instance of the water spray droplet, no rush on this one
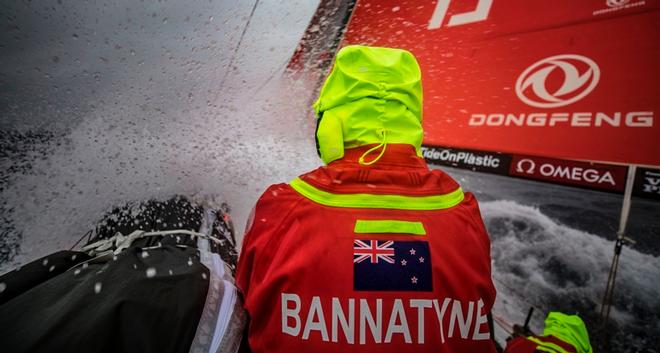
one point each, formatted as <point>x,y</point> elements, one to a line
<point>151,272</point>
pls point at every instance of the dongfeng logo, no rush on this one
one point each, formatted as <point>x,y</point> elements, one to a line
<point>616,3</point>
<point>580,77</point>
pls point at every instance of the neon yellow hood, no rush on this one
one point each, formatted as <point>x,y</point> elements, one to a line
<point>568,328</point>
<point>372,96</point>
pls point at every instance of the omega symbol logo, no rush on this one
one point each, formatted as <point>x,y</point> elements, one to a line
<point>526,166</point>
<point>616,3</point>
<point>557,81</point>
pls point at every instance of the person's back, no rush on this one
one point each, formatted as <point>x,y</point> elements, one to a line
<point>368,254</point>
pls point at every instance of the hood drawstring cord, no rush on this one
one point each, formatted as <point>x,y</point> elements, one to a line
<point>382,144</point>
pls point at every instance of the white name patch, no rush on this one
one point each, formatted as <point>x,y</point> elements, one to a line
<point>362,321</point>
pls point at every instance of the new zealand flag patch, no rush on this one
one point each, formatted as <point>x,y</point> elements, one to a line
<point>391,266</point>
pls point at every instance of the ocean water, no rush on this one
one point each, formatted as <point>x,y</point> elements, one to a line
<point>552,247</point>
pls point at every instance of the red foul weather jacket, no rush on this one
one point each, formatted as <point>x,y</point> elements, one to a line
<point>548,343</point>
<point>391,257</point>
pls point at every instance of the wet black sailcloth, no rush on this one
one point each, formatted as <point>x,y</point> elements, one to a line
<point>149,297</point>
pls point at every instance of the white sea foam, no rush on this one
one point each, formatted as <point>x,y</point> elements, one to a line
<point>540,262</point>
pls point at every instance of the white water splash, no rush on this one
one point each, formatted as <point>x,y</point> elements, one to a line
<point>97,287</point>
<point>151,272</point>
<point>167,128</point>
<point>540,262</point>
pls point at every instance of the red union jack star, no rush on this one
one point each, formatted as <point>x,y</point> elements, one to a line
<point>373,251</point>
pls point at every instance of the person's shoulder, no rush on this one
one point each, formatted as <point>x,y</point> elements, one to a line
<point>277,193</point>
<point>270,211</point>
<point>275,200</point>
<point>275,189</point>
<point>448,184</point>
<point>444,180</point>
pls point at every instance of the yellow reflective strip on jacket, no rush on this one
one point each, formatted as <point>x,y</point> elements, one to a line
<point>397,202</point>
<point>547,346</point>
<point>389,226</point>
<point>569,329</point>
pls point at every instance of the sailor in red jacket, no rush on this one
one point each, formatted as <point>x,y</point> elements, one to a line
<point>562,334</point>
<point>373,252</point>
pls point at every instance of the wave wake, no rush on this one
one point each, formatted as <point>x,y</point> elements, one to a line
<point>540,262</point>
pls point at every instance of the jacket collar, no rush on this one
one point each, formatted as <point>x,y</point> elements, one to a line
<point>398,172</point>
<point>396,155</point>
